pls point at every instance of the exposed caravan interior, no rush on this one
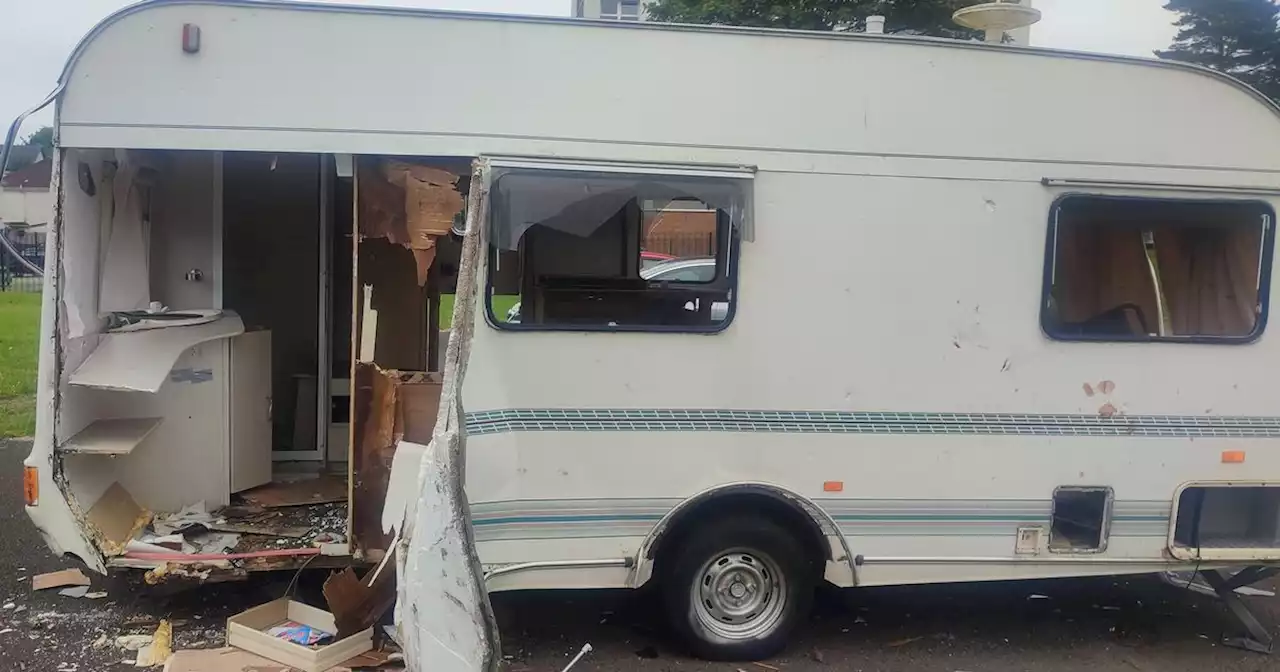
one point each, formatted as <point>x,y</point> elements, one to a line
<point>814,332</point>
<point>250,334</point>
<point>1138,269</point>
<point>210,338</point>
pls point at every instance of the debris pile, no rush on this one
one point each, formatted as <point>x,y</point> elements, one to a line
<point>280,525</point>
<point>284,634</point>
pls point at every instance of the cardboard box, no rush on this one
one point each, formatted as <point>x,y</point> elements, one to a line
<point>247,630</point>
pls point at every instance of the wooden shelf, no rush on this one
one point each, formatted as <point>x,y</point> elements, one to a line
<point>115,436</point>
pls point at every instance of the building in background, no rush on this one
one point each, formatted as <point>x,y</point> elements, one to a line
<point>617,10</point>
<point>25,198</point>
<point>26,208</point>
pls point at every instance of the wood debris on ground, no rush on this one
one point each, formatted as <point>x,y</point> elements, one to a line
<point>277,526</point>
<point>66,577</point>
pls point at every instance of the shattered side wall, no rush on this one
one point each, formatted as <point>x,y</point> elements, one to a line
<point>391,406</point>
<point>409,205</point>
<point>402,211</point>
<point>443,612</point>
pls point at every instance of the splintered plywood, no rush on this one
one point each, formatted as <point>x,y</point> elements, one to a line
<point>116,436</point>
<point>408,204</point>
<point>115,519</point>
<point>389,406</point>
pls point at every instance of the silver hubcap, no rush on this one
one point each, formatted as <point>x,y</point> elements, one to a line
<point>740,595</point>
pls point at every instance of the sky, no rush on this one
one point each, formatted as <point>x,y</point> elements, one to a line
<point>36,36</point>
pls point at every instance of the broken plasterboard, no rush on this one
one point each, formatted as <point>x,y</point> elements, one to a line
<point>115,519</point>
<point>166,524</point>
<point>113,436</point>
<point>403,484</point>
<point>74,591</point>
<point>140,361</point>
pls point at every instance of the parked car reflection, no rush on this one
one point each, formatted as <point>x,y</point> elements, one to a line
<point>697,269</point>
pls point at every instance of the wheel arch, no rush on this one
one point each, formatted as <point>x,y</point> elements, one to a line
<point>817,524</point>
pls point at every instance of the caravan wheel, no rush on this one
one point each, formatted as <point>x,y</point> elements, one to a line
<point>736,589</point>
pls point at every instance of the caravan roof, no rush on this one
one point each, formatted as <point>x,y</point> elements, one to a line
<point>309,77</point>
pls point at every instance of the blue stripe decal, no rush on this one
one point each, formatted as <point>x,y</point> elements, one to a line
<point>958,518</point>
<point>856,422</point>
<point>603,518</point>
<point>560,519</point>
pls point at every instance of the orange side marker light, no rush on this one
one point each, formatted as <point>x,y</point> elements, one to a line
<point>1233,457</point>
<point>833,486</point>
<point>31,485</point>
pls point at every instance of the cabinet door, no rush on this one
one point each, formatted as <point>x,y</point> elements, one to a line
<point>250,405</point>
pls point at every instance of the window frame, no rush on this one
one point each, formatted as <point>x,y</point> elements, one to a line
<point>619,15</point>
<point>1264,272</point>
<point>728,248</point>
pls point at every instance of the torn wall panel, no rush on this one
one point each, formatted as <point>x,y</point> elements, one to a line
<point>443,612</point>
<point>83,195</point>
<point>409,205</point>
<point>390,406</point>
<point>125,283</point>
<point>403,211</point>
<point>141,361</point>
<point>400,336</point>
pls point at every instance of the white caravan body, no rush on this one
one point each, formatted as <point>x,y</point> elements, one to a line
<point>884,370</point>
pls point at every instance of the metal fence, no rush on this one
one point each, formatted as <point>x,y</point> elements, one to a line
<point>18,265</point>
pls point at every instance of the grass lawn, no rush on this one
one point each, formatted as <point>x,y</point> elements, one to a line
<point>501,304</point>
<point>19,327</point>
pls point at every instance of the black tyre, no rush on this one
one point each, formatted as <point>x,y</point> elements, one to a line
<point>736,589</point>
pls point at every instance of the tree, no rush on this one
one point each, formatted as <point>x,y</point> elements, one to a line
<point>43,139</point>
<point>920,17</point>
<point>1238,37</point>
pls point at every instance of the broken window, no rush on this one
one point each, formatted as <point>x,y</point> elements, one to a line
<point>614,251</point>
<point>1124,269</point>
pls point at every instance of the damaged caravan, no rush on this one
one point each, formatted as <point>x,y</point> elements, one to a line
<point>740,332</point>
